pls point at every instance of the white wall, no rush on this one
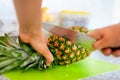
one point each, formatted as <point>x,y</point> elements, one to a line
<point>102,10</point>
<point>7,16</point>
<point>116,14</point>
<point>7,9</point>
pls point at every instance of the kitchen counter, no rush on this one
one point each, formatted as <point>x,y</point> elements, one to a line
<point>3,78</point>
<point>114,75</point>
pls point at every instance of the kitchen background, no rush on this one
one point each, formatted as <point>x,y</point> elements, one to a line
<point>102,12</point>
<point>99,13</point>
<point>95,14</point>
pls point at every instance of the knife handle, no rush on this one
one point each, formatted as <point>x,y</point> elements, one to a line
<point>113,49</point>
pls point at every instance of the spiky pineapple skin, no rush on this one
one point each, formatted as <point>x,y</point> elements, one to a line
<point>65,52</point>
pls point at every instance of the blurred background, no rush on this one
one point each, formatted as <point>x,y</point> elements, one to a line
<point>96,13</point>
<point>91,14</point>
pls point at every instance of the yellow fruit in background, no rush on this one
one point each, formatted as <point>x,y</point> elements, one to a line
<point>46,17</point>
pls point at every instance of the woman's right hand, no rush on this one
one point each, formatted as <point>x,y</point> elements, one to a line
<point>114,51</point>
<point>107,39</point>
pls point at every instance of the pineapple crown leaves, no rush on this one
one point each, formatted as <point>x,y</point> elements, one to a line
<point>3,43</point>
<point>11,41</point>
<point>27,47</point>
<point>19,54</point>
<point>9,61</point>
<point>3,58</point>
<point>38,58</point>
<point>10,54</point>
<point>23,56</point>
<point>14,64</point>
<point>10,47</point>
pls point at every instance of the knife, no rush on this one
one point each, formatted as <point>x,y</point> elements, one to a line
<point>76,37</point>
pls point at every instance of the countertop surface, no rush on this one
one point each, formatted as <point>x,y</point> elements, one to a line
<point>114,75</point>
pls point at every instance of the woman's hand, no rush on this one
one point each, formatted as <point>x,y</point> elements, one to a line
<point>114,51</point>
<point>30,29</point>
<point>106,39</point>
<point>38,42</point>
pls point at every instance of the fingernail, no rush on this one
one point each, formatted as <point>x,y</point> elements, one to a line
<point>48,64</point>
<point>51,58</point>
<point>108,52</point>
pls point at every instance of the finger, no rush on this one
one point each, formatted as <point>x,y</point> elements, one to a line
<point>106,51</point>
<point>47,54</point>
<point>96,34</point>
<point>46,40</point>
<point>116,53</point>
<point>44,51</point>
<point>24,38</point>
<point>100,44</point>
<point>48,63</point>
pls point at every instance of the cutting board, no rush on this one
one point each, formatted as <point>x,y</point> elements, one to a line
<point>85,68</point>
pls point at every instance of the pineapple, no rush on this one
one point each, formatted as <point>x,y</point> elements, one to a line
<point>65,51</point>
<point>23,56</point>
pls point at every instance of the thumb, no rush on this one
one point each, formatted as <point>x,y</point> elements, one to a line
<point>97,34</point>
<point>44,51</point>
<point>48,55</point>
<point>100,44</point>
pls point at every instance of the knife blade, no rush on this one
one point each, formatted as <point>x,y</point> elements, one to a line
<point>76,37</point>
<point>70,34</point>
